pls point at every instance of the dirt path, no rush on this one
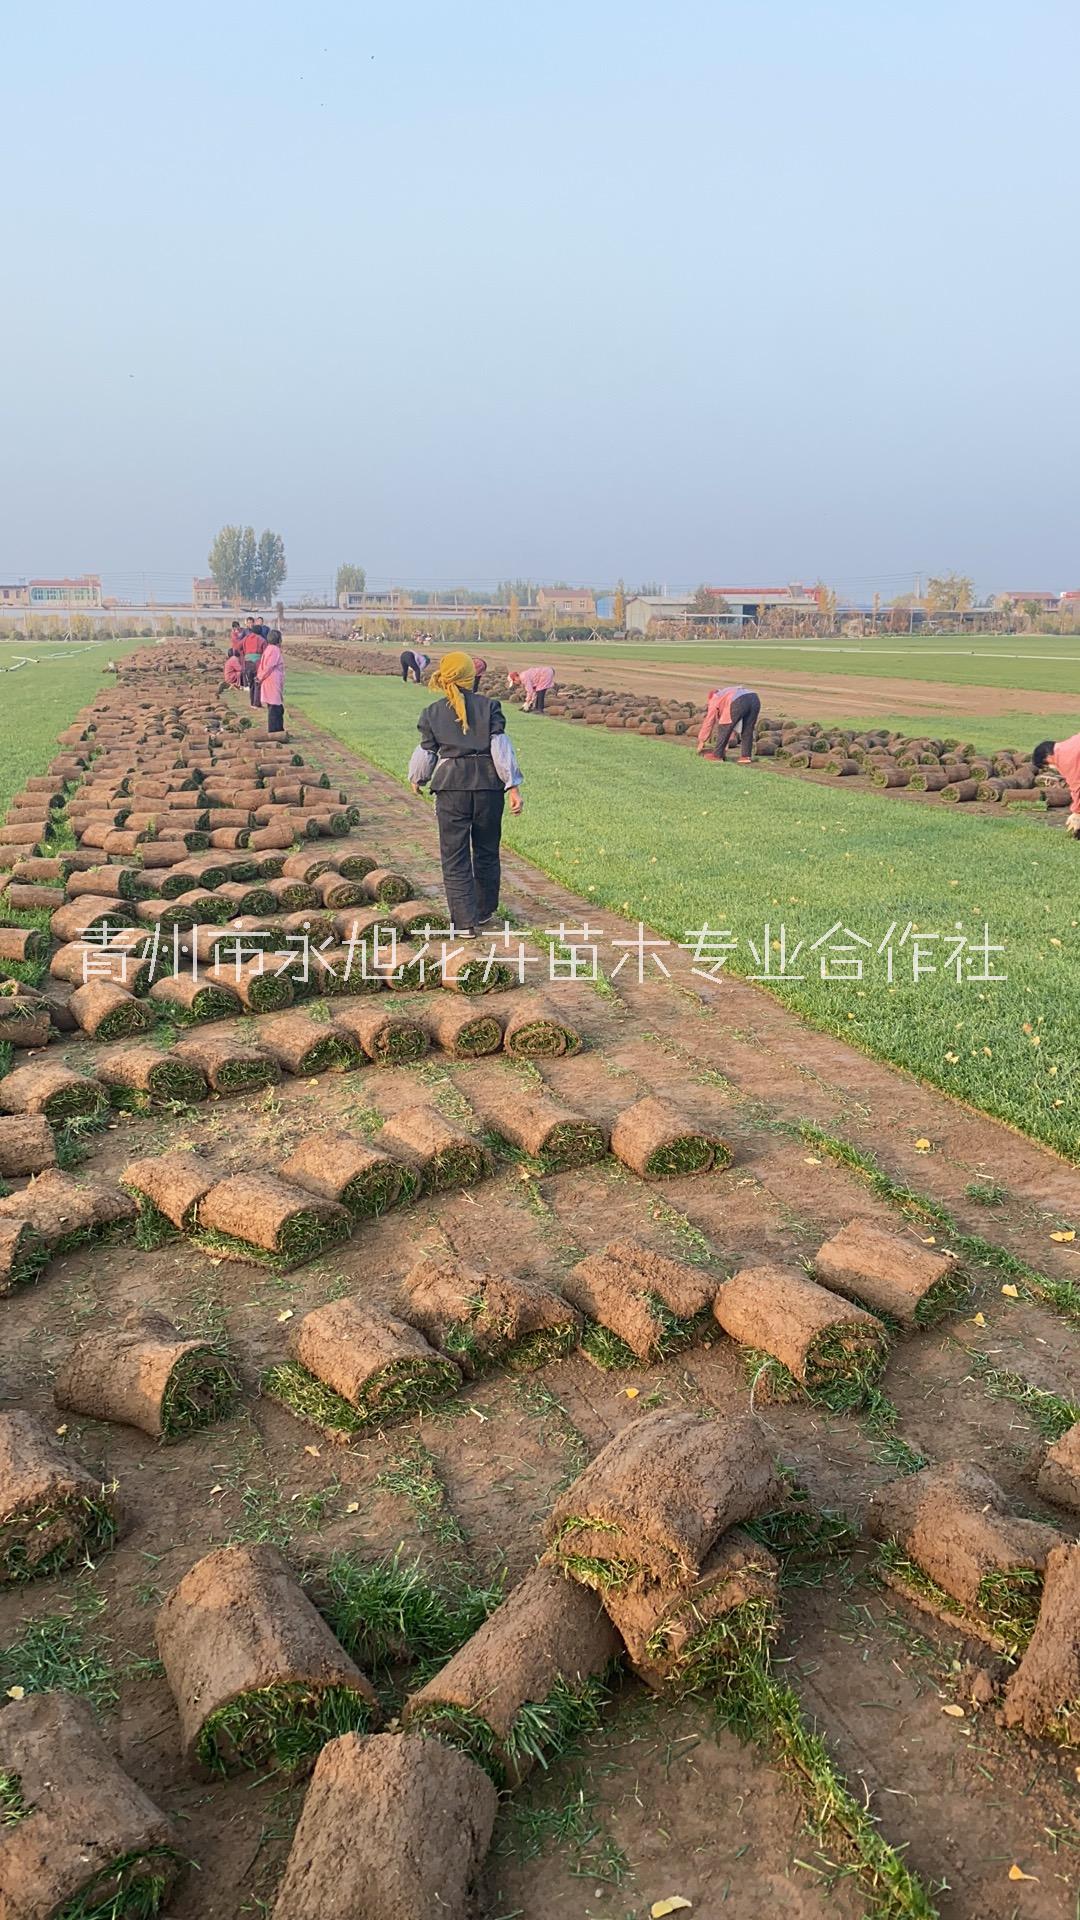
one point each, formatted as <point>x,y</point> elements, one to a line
<point>635,1816</point>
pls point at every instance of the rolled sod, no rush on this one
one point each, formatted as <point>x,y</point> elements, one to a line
<point>170,1184</point>
<point>145,1374</point>
<point>75,919</point>
<point>120,962</point>
<point>653,1139</point>
<point>187,999</point>
<point>657,1497</point>
<point>88,1842</point>
<point>474,970</point>
<point>304,1046</point>
<point>26,945</point>
<point>138,1076</point>
<point>441,1153</point>
<point>481,1318</point>
<point>244,898</point>
<point>416,917</point>
<point>354,1367</point>
<point>507,1697</point>
<point>951,1543</point>
<point>464,1032</point>
<point>27,1144</point>
<point>23,1254</point>
<point>342,973</point>
<point>260,989</point>
<point>534,1031</point>
<point>390,1039</point>
<point>335,891</point>
<point>47,1087</point>
<point>551,1133</point>
<point>28,899</point>
<point>890,1273</point>
<point>63,1210</point>
<point>353,862</point>
<point>385,886</point>
<point>259,1213</point>
<point>24,1019</point>
<point>52,1512</point>
<point>258,1678</point>
<point>106,1011</point>
<point>308,865</point>
<point>342,1168</point>
<point>392,1828</point>
<point>228,1066</point>
<point>696,1638</point>
<point>832,1348</point>
<point>1043,1695</point>
<point>1059,1475</point>
<point>655,1306</point>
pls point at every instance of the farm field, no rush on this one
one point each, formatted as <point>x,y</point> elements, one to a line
<point>863,1770</point>
<point>37,699</point>
<point>648,831</point>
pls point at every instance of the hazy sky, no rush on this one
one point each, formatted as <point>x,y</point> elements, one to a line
<point>743,292</point>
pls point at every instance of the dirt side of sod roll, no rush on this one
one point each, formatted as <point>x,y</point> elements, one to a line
<point>171,1184</point>
<point>27,1144</point>
<point>479,1317</point>
<point>547,1639</point>
<point>1059,1475</point>
<point>550,1132</point>
<point>887,1271</point>
<point>342,1168</point>
<point>393,1828</point>
<point>257,1676</point>
<point>464,1032</point>
<point>107,1011</point>
<point>388,1038</point>
<point>63,1209</point>
<point>441,1153</point>
<point>90,1842</point>
<point>228,1065</point>
<point>23,1254</point>
<point>534,1031</point>
<point>145,1374</point>
<point>260,1210</point>
<point>1043,1695</point>
<point>692,1637</point>
<point>380,1367</point>
<point>657,1142</point>
<point>954,1525</point>
<point>304,1046</point>
<point>52,1512</point>
<point>147,1070</point>
<point>76,917</point>
<point>822,1340</point>
<point>23,944</point>
<point>50,1088</point>
<point>654,1500</point>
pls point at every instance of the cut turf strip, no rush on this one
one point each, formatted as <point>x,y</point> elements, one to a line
<point>142,1075</point>
<point>49,1088</point>
<point>549,1132</point>
<point>170,1184</point>
<point>258,1678</point>
<point>304,1046</point>
<point>251,1213</point>
<point>653,1139</point>
<point>64,1210</point>
<point>950,1543</point>
<point>23,1254</point>
<point>1043,1695</point>
<point>482,1318</point>
<point>654,1500</point>
<point>107,1011</point>
<point>228,1065</point>
<point>891,1273</point>
<point>188,1000</point>
<point>438,1151</point>
<point>464,1032</point>
<point>833,1349</point>
<point>508,1698</point>
<point>1059,1475</point>
<point>52,1512</point>
<point>654,1306</point>
<point>534,1031</point>
<point>339,1167</point>
<point>260,990</point>
<point>697,1638</point>
<point>145,1374</point>
<point>418,1817</point>
<point>464,970</point>
<point>352,1368</point>
<point>389,1039</point>
<point>89,1844</point>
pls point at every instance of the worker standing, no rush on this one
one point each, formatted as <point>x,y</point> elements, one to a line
<point>728,708</point>
<point>537,683</point>
<point>466,754</point>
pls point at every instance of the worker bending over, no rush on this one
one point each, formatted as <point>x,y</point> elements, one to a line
<point>1064,757</point>
<point>728,708</point>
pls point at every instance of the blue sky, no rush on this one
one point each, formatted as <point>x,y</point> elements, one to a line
<point>770,289</point>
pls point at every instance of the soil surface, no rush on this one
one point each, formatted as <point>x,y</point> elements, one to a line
<point>662,1800</point>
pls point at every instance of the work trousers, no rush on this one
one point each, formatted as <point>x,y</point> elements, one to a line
<point>470,829</point>
<point>538,699</point>
<point>251,667</point>
<point>275,719</point>
<point>744,715</point>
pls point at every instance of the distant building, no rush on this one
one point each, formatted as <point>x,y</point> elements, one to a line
<point>388,602</point>
<point>206,593</point>
<point>16,596</point>
<point>740,604</point>
<point>643,608</point>
<point>1046,602</point>
<point>569,603</point>
<point>84,591</point>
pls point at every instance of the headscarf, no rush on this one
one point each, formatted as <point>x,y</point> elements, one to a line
<point>454,672</point>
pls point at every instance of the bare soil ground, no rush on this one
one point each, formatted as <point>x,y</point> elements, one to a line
<point>662,1801</point>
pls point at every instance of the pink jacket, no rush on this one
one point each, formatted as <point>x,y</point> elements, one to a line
<point>1067,762</point>
<point>270,675</point>
<point>718,711</point>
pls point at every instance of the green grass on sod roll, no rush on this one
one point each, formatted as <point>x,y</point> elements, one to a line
<point>1008,1602</point>
<point>392,891</point>
<point>396,1611</point>
<point>400,1045</point>
<point>13,1807</point>
<point>606,1350</point>
<point>278,1726</point>
<point>28,1260</point>
<point>168,1080</point>
<point>396,1392</point>
<point>132,1888</point>
<point>302,1237</point>
<point>692,1153</point>
<point>208,1003</point>
<point>455,1166</point>
<point>479,1036</point>
<point>951,1294</point>
<point>534,1350</point>
<point>246,1076</point>
<point>600,1572</point>
<point>543,1039</point>
<point>715,1657</point>
<point>541,1730</point>
<point>329,1051</point>
<point>482,976</point>
<point>575,1143</point>
<point>268,993</point>
<point>85,1101</point>
<point>201,1388</point>
<point>93,1532</point>
<point>372,1192</point>
<point>132,1016</point>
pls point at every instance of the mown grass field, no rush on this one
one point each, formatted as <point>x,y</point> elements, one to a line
<point>645,829</point>
<point>41,698</point>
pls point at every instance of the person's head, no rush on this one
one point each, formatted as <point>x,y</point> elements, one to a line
<point>514,678</point>
<point>453,677</point>
<point>1043,755</point>
<point>274,637</point>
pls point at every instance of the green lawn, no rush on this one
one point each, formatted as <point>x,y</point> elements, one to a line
<point>38,700</point>
<point>647,829</point>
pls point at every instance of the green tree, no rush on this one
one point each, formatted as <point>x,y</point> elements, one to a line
<point>246,568</point>
<point>350,579</point>
<point>949,593</point>
<point>224,562</point>
<point>270,568</point>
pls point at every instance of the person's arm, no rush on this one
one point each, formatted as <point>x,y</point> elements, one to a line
<point>506,766</point>
<point>708,724</point>
<point>422,764</point>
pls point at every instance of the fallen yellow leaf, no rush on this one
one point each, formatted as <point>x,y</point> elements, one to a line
<point>353,1506</point>
<point>923,1146</point>
<point>217,1489</point>
<point>978,1319</point>
<point>287,1315</point>
<point>1017,1873</point>
<point>673,1904</point>
<point>632,1393</point>
<point>1060,1237</point>
<point>813,1161</point>
<point>1010,1292</point>
<point>16,1693</point>
<point>62,1430</point>
<point>314,1452</point>
<point>954,1712</point>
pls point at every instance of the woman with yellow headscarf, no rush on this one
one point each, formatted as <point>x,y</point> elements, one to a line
<point>466,754</point>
